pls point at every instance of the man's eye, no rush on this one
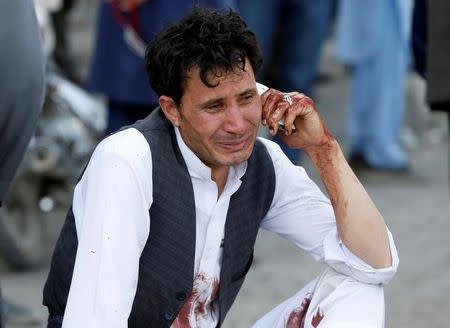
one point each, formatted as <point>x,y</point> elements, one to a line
<point>214,107</point>
<point>247,99</point>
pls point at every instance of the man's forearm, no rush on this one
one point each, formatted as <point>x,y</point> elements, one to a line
<point>360,225</point>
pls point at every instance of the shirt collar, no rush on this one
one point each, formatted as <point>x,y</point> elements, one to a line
<point>198,169</point>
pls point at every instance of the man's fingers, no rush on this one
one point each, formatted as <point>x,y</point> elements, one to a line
<point>277,115</point>
<point>276,107</point>
<point>266,94</point>
<point>302,106</point>
<point>270,100</point>
<point>289,119</point>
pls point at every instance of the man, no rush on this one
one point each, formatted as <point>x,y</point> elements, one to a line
<point>21,96</point>
<point>165,215</point>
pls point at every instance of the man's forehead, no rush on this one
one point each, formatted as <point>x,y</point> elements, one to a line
<point>215,76</point>
<point>230,84</point>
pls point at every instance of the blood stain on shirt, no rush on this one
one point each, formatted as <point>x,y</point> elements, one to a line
<point>317,318</point>
<point>297,317</point>
<point>197,302</point>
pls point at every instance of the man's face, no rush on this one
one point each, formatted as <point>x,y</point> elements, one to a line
<point>220,124</point>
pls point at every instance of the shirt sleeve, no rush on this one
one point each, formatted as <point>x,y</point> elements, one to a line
<point>302,214</point>
<point>111,204</point>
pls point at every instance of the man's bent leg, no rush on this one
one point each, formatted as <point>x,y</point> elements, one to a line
<point>332,300</point>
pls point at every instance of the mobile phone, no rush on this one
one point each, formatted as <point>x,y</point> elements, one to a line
<point>261,89</point>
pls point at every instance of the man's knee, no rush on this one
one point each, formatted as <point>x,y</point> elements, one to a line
<point>343,301</point>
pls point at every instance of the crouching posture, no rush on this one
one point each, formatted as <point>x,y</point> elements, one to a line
<point>165,216</point>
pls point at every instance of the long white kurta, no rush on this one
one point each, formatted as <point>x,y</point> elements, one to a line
<point>111,204</point>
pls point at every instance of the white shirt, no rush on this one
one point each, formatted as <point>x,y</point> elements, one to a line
<point>111,208</point>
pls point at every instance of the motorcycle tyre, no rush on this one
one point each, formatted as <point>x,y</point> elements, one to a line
<point>23,250</point>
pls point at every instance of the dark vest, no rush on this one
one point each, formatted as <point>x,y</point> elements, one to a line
<point>166,267</point>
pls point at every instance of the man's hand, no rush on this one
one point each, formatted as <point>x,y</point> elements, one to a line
<point>310,132</point>
<point>128,5</point>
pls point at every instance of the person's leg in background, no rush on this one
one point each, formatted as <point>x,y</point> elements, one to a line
<point>262,16</point>
<point>377,104</point>
<point>360,104</point>
<point>304,27</point>
<point>376,110</point>
<point>437,63</point>
<point>61,53</point>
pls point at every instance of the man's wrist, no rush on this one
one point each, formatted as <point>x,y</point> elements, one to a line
<point>323,153</point>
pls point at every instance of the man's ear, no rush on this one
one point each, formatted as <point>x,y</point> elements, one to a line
<point>170,109</point>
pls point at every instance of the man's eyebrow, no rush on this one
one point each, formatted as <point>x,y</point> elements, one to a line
<point>221,99</point>
<point>211,102</point>
<point>248,91</point>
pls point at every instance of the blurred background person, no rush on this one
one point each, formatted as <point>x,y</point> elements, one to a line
<point>431,32</point>
<point>61,56</point>
<point>373,37</point>
<point>421,127</point>
<point>21,96</point>
<point>124,29</point>
<point>291,33</point>
<point>438,56</point>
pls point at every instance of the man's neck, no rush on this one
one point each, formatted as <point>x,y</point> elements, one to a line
<point>220,175</point>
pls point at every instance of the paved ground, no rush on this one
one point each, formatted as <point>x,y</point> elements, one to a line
<point>416,208</point>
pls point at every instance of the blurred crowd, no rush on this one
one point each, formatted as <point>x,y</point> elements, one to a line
<point>291,35</point>
<point>381,43</point>
<point>381,62</point>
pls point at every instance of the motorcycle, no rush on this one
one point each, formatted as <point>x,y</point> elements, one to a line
<point>71,124</point>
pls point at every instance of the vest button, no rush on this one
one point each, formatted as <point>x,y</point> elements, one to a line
<point>168,316</point>
<point>181,296</point>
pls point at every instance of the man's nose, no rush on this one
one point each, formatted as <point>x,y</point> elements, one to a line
<point>234,120</point>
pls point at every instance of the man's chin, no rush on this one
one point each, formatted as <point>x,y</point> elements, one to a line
<point>236,158</point>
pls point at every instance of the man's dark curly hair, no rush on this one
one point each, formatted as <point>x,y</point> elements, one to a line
<point>215,41</point>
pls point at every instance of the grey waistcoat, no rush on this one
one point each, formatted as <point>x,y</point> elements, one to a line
<point>166,266</point>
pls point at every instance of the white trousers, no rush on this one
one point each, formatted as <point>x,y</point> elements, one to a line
<point>332,300</point>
